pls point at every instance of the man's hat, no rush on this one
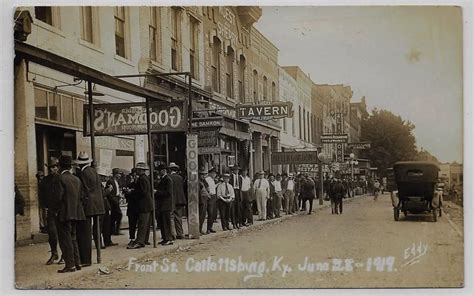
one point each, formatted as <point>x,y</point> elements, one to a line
<point>116,171</point>
<point>141,166</point>
<point>83,158</point>
<point>235,167</point>
<point>65,161</point>
<point>225,175</point>
<point>161,166</point>
<point>53,161</point>
<point>261,173</point>
<point>291,175</point>
<point>173,165</point>
<point>213,170</point>
<point>202,171</point>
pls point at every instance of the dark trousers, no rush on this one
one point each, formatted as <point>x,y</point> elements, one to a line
<point>237,208</point>
<point>165,225</point>
<point>115,217</point>
<point>143,227</point>
<point>232,216</point>
<point>202,213</point>
<point>52,221</point>
<point>246,209</point>
<point>105,225</point>
<point>310,200</point>
<point>270,208</point>
<point>132,225</point>
<point>224,211</point>
<point>177,221</point>
<point>84,238</point>
<point>277,203</point>
<point>211,211</point>
<point>67,239</point>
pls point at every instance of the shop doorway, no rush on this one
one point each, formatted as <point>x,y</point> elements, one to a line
<point>53,142</point>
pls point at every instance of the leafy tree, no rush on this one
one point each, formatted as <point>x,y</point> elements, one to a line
<point>391,139</point>
<point>425,156</point>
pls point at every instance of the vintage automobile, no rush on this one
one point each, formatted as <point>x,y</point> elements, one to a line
<point>416,182</point>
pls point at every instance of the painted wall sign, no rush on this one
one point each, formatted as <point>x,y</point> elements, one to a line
<point>334,138</point>
<point>207,122</point>
<point>193,184</point>
<point>361,146</point>
<point>265,112</point>
<point>303,157</point>
<point>131,118</point>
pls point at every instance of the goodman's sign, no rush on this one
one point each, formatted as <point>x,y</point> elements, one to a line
<point>131,118</point>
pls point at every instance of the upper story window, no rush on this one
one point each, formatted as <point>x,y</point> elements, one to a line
<point>193,47</point>
<point>120,31</point>
<point>154,32</point>
<point>215,64</point>
<point>48,15</point>
<point>273,91</point>
<point>242,78</point>
<point>265,88</point>
<point>175,38</point>
<point>229,75</point>
<point>89,25</point>
<point>255,85</point>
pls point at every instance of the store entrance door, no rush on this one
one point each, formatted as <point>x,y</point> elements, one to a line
<point>53,142</point>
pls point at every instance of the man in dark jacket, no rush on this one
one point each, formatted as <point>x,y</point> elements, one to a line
<point>144,205</point>
<point>236,205</point>
<point>114,200</point>
<point>164,204</point>
<point>93,207</point>
<point>132,208</point>
<point>105,224</point>
<point>48,196</point>
<point>179,201</point>
<point>338,191</point>
<point>308,192</point>
<point>70,211</point>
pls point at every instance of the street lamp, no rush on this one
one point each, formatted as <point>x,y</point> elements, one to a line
<point>320,169</point>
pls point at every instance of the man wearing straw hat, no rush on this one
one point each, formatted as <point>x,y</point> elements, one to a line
<point>225,196</point>
<point>144,205</point>
<point>93,207</point>
<point>262,193</point>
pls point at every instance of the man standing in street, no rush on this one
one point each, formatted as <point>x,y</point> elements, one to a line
<point>246,195</point>
<point>308,192</point>
<point>262,193</point>
<point>212,201</point>
<point>225,195</point>
<point>114,201</point>
<point>179,200</point>
<point>289,193</point>
<point>164,204</point>
<point>70,211</point>
<point>237,203</point>
<point>144,204</point>
<point>93,207</point>
<point>203,198</point>
<point>271,179</point>
<point>48,197</point>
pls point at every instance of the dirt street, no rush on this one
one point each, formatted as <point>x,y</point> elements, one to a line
<point>364,247</point>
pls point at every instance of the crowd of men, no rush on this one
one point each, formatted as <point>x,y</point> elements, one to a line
<point>82,204</point>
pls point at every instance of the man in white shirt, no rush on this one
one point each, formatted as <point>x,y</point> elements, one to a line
<point>289,193</point>
<point>236,205</point>
<point>246,186</point>
<point>211,202</point>
<point>225,196</point>
<point>262,193</point>
<point>278,196</point>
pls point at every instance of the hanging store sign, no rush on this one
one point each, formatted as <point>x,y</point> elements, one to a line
<point>208,138</point>
<point>307,168</point>
<point>334,138</point>
<point>131,118</point>
<point>207,122</point>
<point>193,184</point>
<point>359,146</point>
<point>294,157</point>
<point>209,150</point>
<point>265,112</point>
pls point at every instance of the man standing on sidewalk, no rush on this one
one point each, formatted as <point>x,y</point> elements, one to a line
<point>237,203</point>
<point>225,195</point>
<point>212,201</point>
<point>93,207</point>
<point>164,204</point>
<point>70,211</point>
<point>179,199</point>
<point>246,193</point>
<point>278,196</point>
<point>48,197</point>
<point>289,193</point>
<point>262,193</point>
<point>114,201</point>
<point>142,193</point>
<point>203,198</point>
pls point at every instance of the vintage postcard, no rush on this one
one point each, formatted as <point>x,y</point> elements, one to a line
<point>238,147</point>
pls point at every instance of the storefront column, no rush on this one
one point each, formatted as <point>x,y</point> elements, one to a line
<point>258,152</point>
<point>25,153</point>
<point>268,157</point>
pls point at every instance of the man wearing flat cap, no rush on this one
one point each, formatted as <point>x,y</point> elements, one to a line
<point>93,207</point>
<point>164,204</point>
<point>69,212</point>
<point>144,205</point>
<point>114,200</point>
<point>48,197</point>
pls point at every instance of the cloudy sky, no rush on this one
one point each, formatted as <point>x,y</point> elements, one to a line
<point>404,59</point>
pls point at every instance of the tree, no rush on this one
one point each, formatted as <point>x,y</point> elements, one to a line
<point>425,155</point>
<point>391,139</point>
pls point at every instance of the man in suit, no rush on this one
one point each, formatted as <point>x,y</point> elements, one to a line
<point>179,201</point>
<point>262,193</point>
<point>212,201</point>
<point>69,211</point>
<point>48,196</point>
<point>307,192</point>
<point>105,219</point>
<point>144,205</point>
<point>164,204</point>
<point>132,208</point>
<point>246,197</point>
<point>225,195</point>
<point>93,207</point>
<point>203,198</point>
<point>114,201</point>
<point>236,205</point>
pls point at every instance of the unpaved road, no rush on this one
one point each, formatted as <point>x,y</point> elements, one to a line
<point>364,232</point>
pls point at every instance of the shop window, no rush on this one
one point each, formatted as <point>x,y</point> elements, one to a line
<point>153,31</point>
<point>54,107</point>
<point>120,31</point>
<point>67,103</point>
<point>78,112</point>
<point>41,103</point>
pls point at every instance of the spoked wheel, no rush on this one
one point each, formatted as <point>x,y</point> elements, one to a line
<point>396,214</point>
<point>435,215</point>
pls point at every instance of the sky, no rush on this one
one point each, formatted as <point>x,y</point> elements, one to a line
<point>404,59</point>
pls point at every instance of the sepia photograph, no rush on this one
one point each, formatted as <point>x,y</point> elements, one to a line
<point>237,147</point>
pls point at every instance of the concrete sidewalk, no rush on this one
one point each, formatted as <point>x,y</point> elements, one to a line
<point>32,273</point>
